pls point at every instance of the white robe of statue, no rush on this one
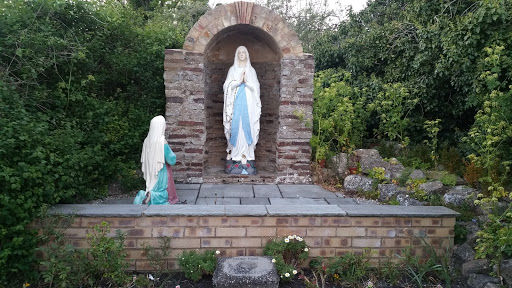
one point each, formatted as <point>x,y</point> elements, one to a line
<point>242,72</point>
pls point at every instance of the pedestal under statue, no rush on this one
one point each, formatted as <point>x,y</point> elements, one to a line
<point>241,117</point>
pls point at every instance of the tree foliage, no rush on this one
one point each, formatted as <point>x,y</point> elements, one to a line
<point>452,56</point>
<point>79,82</point>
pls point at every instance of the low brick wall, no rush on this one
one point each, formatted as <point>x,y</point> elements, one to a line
<point>329,230</point>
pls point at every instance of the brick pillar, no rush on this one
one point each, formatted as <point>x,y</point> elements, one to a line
<point>184,113</point>
<point>293,148</point>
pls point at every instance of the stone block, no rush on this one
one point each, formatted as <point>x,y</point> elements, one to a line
<point>247,271</point>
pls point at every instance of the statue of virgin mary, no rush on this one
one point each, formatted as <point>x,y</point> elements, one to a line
<point>242,108</point>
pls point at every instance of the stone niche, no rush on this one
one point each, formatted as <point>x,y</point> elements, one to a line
<point>194,77</point>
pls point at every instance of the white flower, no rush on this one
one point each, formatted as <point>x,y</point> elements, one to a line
<point>306,249</point>
<point>290,237</point>
<point>294,236</point>
<point>299,239</point>
<point>286,240</point>
<point>287,274</point>
<point>369,285</point>
<point>273,260</point>
<point>294,272</point>
<point>217,252</point>
<point>178,286</point>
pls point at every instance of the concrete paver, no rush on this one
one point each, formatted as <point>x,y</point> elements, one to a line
<point>255,201</point>
<point>305,191</point>
<point>297,201</point>
<point>269,191</point>
<point>341,201</point>
<point>225,190</point>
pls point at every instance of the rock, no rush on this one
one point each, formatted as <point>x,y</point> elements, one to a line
<point>386,191</point>
<point>417,174</point>
<point>479,266</point>
<point>506,272</point>
<point>480,281</point>
<point>405,200</point>
<point>358,183</point>
<point>492,285</point>
<point>370,158</point>
<point>340,163</point>
<point>432,187</point>
<point>460,194</point>
<point>394,170</point>
<point>247,271</point>
<point>462,254</point>
<point>459,181</point>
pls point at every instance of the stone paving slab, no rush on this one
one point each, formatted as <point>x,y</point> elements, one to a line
<point>305,191</point>
<point>245,210</point>
<point>297,201</point>
<point>184,210</point>
<point>254,201</point>
<point>305,210</point>
<point>401,211</point>
<point>341,201</point>
<point>125,200</point>
<point>106,210</point>
<point>188,186</point>
<point>223,190</point>
<point>218,201</point>
<point>189,195</point>
<point>268,191</point>
<point>245,271</point>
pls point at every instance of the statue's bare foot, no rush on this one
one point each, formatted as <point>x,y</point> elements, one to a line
<point>244,160</point>
<point>146,200</point>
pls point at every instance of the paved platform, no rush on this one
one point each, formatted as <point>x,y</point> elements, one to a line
<point>255,194</point>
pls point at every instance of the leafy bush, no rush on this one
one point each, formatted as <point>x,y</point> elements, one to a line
<point>451,160</point>
<point>495,239</point>
<point>195,265</point>
<point>158,256</point>
<point>351,269</point>
<point>449,179</point>
<point>79,82</point>
<point>107,256</point>
<point>339,114</point>
<point>287,253</point>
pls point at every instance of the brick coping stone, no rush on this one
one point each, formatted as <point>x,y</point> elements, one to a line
<point>245,271</point>
<point>128,210</point>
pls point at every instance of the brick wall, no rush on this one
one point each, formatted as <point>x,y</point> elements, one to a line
<point>185,113</point>
<point>246,235</point>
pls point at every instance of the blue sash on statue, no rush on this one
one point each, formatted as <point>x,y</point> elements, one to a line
<point>240,111</point>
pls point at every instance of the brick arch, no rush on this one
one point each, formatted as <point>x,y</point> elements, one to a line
<point>247,13</point>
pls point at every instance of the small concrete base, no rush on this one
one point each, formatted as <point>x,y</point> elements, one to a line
<point>245,272</point>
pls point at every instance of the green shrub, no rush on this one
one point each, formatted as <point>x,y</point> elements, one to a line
<point>351,269</point>
<point>287,253</point>
<point>377,173</point>
<point>451,160</point>
<point>157,257</point>
<point>495,239</point>
<point>107,256</point>
<point>449,179</point>
<point>62,264</point>
<point>196,265</point>
<point>461,233</point>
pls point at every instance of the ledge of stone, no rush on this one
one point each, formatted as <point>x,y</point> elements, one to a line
<point>88,210</point>
<point>129,210</point>
<point>185,210</point>
<point>305,210</point>
<point>397,211</point>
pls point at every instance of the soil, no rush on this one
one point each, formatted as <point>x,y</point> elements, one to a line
<point>175,279</point>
